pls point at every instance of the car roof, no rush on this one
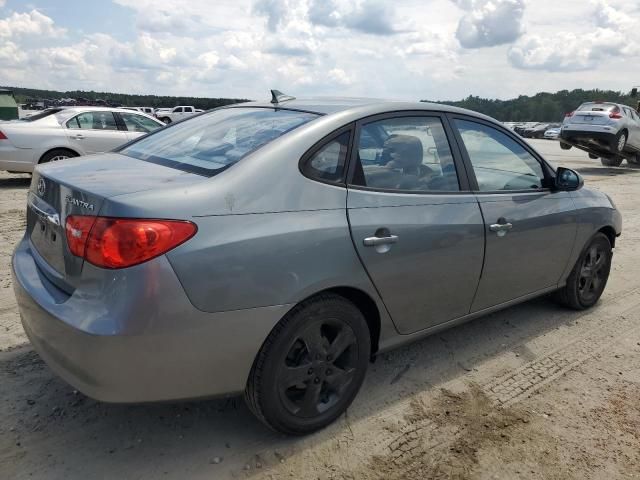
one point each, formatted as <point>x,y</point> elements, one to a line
<point>365,106</point>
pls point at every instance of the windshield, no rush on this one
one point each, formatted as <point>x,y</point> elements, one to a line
<point>212,142</point>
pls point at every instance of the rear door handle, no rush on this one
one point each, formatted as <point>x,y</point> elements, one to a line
<point>501,228</point>
<point>375,241</point>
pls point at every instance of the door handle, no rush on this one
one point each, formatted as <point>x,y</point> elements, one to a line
<point>375,241</point>
<point>79,137</point>
<point>501,228</point>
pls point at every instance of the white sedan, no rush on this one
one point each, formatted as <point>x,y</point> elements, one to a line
<point>59,133</point>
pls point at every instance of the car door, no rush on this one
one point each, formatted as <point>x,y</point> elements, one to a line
<point>530,229</point>
<point>137,125</point>
<point>94,132</point>
<point>417,229</point>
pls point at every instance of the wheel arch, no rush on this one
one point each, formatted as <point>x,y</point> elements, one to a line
<point>76,154</point>
<point>610,233</point>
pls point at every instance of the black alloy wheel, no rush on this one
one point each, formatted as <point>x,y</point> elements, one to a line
<point>311,366</point>
<point>589,276</point>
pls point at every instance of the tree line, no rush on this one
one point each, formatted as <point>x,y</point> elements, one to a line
<point>23,95</point>
<point>542,107</point>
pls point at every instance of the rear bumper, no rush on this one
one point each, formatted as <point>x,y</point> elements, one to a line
<point>162,349</point>
<point>587,136</point>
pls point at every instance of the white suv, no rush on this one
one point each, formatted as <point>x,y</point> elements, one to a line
<point>607,130</point>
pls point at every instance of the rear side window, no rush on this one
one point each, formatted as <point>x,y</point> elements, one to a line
<point>406,154</point>
<point>210,143</point>
<point>93,121</point>
<point>327,163</point>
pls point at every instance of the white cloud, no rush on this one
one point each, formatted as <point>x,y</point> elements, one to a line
<point>29,24</point>
<point>488,23</point>
<point>612,34</point>
<point>405,49</point>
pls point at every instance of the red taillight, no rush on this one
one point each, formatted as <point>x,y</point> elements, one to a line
<point>2,136</point>
<point>569,114</point>
<point>124,242</point>
<point>615,115</point>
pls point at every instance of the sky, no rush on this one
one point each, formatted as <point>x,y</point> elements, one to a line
<point>404,49</point>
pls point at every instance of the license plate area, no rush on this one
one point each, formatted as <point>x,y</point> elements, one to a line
<point>46,232</point>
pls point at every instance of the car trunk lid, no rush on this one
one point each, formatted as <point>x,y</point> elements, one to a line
<point>80,187</point>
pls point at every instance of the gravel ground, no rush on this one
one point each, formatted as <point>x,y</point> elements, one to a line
<point>534,391</point>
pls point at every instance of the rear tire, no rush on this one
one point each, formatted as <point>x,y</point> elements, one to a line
<point>589,276</point>
<point>311,366</point>
<point>611,161</point>
<point>165,120</point>
<point>565,146</point>
<point>57,154</point>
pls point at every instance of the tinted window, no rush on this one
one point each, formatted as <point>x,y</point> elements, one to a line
<point>405,153</point>
<point>499,162</point>
<point>209,143</point>
<point>597,107</point>
<point>178,110</point>
<point>93,121</point>
<point>138,123</point>
<point>328,162</point>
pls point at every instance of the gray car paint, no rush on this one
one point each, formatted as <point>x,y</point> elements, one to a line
<point>268,238</point>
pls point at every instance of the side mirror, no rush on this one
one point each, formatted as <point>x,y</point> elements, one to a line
<point>568,180</point>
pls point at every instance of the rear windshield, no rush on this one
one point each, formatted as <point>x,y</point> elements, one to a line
<point>210,143</point>
<point>597,107</point>
<point>42,114</point>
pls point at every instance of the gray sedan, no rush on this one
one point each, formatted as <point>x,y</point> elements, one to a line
<point>276,248</point>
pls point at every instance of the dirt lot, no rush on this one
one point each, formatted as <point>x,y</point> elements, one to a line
<point>531,392</point>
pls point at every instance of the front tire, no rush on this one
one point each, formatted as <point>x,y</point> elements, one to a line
<point>165,120</point>
<point>611,161</point>
<point>565,146</point>
<point>589,276</point>
<point>311,366</point>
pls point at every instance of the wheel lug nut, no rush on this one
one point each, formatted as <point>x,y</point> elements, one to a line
<point>316,380</point>
<point>310,371</point>
<point>328,372</point>
<point>329,358</point>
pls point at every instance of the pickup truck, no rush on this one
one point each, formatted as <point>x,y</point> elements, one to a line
<point>168,115</point>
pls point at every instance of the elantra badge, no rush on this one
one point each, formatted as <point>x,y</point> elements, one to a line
<point>79,203</point>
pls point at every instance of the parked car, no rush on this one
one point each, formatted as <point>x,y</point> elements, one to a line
<point>176,113</point>
<point>59,133</point>
<point>535,131</point>
<point>607,130</point>
<point>275,248</point>
<point>553,132</point>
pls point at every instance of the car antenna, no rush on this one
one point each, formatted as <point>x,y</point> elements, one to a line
<point>278,97</point>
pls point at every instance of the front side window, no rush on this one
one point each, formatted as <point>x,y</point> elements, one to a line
<point>139,123</point>
<point>405,153</point>
<point>93,121</point>
<point>499,162</point>
<point>328,163</point>
<point>209,143</point>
